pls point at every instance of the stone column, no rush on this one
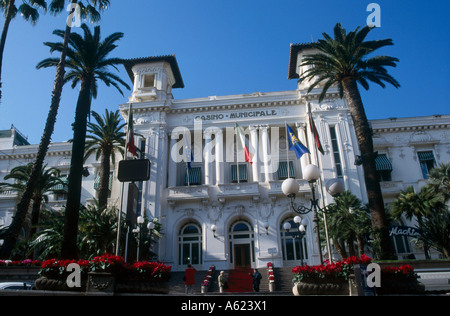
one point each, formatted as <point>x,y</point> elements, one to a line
<point>266,147</point>
<point>172,163</point>
<point>219,156</point>
<point>207,156</point>
<point>255,146</point>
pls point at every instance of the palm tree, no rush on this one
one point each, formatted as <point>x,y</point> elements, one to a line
<point>343,61</point>
<point>48,179</point>
<point>440,179</point>
<point>349,223</point>
<point>98,228</point>
<point>103,139</point>
<point>47,242</point>
<point>418,205</point>
<point>29,10</point>
<point>55,7</point>
<point>436,232</point>
<point>87,63</point>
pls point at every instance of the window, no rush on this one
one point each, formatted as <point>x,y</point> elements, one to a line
<point>293,244</point>
<point>335,147</point>
<point>61,189</point>
<point>401,244</point>
<point>384,167</point>
<point>427,162</point>
<point>190,244</point>
<point>149,81</point>
<point>97,183</point>
<point>193,176</point>
<point>242,174</point>
<point>283,173</point>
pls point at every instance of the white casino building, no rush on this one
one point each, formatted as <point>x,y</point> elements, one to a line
<point>229,212</point>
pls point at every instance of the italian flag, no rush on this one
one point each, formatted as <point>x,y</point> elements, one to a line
<point>244,144</point>
<point>130,135</point>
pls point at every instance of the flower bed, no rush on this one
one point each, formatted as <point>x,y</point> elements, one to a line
<point>334,277</point>
<point>207,280</point>
<point>126,275</point>
<point>20,263</point>
<point>337,272</point>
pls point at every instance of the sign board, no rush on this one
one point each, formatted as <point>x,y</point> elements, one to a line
<point>272,251</point>
<point>404,231</point>
<point>134,170</point>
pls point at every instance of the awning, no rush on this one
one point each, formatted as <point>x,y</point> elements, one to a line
<point>97,181</point>
<point>383,163</point>
<point>62,186</point>
<point>425,155</point>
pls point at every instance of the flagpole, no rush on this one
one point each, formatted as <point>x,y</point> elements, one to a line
<point>187,160</point>
<point>287,150</point>
<point>119,216</point>
<point>330,257</point>
<point>237,154</point>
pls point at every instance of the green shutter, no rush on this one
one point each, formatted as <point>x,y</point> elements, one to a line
<point>195,176</point>
<point>283,170</point>
<point>97,181</point>
<point>242,173</point>
<point>383,163</point>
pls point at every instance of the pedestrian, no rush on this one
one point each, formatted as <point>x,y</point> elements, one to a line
<point>222,282</point>
<point>189,279</point>
<point>256,280</point>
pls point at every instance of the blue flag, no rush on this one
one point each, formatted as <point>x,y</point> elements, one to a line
<point>295,144</point>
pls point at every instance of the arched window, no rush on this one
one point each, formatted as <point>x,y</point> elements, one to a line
<point>190,244</point>
<point>293,242</point>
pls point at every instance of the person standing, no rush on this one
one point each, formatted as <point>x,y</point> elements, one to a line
<point>256,280</point>
<point>222,281</point>
<point>189,279</point>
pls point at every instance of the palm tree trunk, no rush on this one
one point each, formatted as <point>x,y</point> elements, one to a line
<point>360,242</point>
<point>103,191</point>
<point>69,248</point>
<point>365,143</point>
<point>8,18</point>
<point>340,248</point>
<point>22,206</point>
<point>35,214</point>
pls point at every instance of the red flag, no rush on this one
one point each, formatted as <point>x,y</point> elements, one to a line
<point>244,144</point>
<point>313,128</point>
<point>130,135</point>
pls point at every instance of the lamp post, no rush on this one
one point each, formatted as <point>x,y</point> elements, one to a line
<point>140,221</point>
<point>290,188</point>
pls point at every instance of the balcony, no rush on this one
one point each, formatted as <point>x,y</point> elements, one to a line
<point>236,190</point>
<point>391,187</point>
<point>188,193</point>
<point>144,94</point>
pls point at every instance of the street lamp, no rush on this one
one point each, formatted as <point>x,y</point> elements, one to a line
<point>140,221</point>
<point>214,229</point>
<point>311,173</point>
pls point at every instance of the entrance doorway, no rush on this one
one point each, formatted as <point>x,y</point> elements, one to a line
<point>242,245</point>
<point>242,256</point>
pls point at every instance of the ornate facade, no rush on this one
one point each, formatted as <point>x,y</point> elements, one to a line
<point>215,207</point>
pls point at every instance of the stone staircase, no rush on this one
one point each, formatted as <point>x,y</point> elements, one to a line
<point>283,282</point>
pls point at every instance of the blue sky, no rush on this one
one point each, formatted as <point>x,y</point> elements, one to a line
<point>233,47</point>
